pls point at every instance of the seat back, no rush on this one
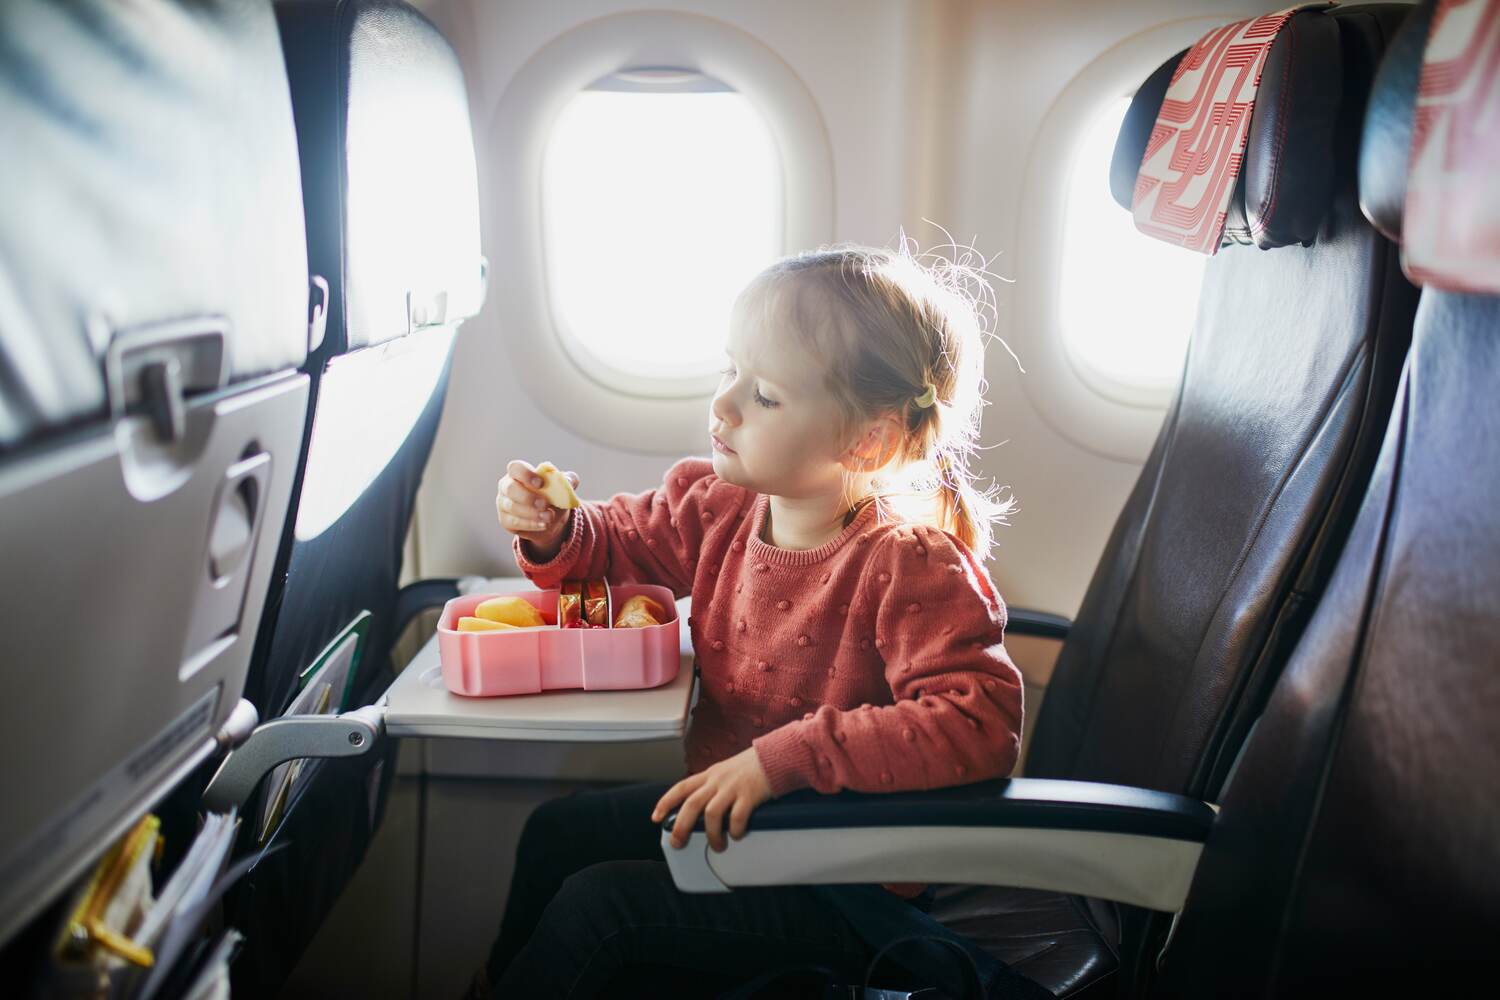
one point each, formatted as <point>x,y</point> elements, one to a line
<point>153,313</point>
<point>1230,532</point>
<point>393,219</point>
<point>1356,844</point>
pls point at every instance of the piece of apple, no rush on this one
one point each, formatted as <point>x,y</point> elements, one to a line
<point>556,487</point>
<point>469,623</point>
<point>512,610</point>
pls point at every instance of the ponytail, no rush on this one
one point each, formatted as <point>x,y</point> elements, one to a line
<point>961,509</point>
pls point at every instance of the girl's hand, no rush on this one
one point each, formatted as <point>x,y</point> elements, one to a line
<point>524,512</point>
<point>732,787</point>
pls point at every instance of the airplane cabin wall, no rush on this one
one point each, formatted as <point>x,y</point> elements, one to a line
<point>945,111</point>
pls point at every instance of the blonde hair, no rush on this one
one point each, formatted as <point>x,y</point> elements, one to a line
<point>887,325</point>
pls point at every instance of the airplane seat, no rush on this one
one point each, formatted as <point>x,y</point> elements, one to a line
<point>1231,531</point>
<point>153,317</point>
<point>1352,852</point>
<point>1355,850</point>
<point>389,178</point>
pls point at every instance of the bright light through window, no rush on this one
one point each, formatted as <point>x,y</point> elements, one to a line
<point>662,197</point>
<point>1128,301</point>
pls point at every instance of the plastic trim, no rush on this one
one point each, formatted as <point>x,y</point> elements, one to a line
<point>1026,621</point>
<point>1130,845</point>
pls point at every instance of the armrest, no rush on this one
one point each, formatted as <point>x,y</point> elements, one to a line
<point>1113,842</point>
<point>1026,621</point>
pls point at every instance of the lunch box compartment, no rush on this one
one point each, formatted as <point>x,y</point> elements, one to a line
<point>545,658</point>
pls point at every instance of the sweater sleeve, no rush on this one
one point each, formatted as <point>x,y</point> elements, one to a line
<point>957,697</point>
<point>651,537</point>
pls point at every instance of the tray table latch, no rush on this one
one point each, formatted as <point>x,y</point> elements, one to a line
<point>151,368</point>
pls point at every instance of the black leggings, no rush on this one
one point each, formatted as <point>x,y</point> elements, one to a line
<point>592,907</point>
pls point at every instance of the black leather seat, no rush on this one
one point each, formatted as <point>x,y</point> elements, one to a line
<point>1231,531</point>
<point>1207,582</point>
<point>392,212</point>
<point>1356,851</point>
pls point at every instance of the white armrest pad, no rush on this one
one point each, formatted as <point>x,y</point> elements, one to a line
<point>1154,872</point>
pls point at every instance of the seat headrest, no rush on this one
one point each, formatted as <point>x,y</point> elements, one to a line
<point>1198,172</point>
<point>1385,149</point>
<point>388,167</point>
<point>149,166</point>
<point>1451,224</point>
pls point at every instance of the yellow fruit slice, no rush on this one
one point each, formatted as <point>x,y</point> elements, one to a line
<point>556,488</point>
<point>510,611</point>
<point>469,623</point>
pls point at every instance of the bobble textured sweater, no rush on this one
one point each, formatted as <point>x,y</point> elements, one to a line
<point>873,662</point>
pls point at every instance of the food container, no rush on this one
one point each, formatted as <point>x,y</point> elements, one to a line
<point>545,658</point>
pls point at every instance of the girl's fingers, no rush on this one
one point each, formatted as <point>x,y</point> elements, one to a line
<point>674,795</point>
<point>663,806</point>
<point>713,818</point>
<point>517,493</point>
<point>525,477</point>
<point>687,816</point>
<point>508,520</point>
<point>522,472</point>
<point>521,509</point>
<point>524,514</point>
<point>739,818</point>
<point>518,521</point>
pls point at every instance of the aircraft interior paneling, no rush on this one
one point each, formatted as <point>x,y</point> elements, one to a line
<point>896,499</point>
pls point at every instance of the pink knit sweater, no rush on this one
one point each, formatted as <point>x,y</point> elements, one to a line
<point>873,662</point>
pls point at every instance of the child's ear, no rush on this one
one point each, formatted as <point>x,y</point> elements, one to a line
<point>874,447</point>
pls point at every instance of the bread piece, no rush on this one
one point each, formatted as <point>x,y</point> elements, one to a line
<point>556,488</point>
<point>512,610</point>
<point>639,612</point>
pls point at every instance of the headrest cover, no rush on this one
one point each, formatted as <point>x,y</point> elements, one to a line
<point>412,189</point>
<point>1452,221</point>
<point>388,164</point>
<point>149,170</point>
<point>1217,162</point>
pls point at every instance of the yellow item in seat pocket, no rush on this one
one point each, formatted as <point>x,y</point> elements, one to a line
<point>556,488</point>
<point>469,623</point>
<point>510,611</point>
<point>117,897</point>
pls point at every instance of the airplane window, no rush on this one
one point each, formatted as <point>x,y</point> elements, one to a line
<point>1127,301</point>
<point>661,197</point>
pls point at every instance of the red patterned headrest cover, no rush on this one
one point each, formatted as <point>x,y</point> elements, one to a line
<point>1452,223</point>
<point>1197,145</point>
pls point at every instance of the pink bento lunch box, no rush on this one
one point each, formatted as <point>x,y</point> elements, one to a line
<point>481,664</point>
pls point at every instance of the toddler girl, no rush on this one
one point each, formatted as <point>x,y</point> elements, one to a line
<point>846,632</point>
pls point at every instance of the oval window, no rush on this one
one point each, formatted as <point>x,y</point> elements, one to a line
<point>661,198</point>
<point>1127,301</point>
